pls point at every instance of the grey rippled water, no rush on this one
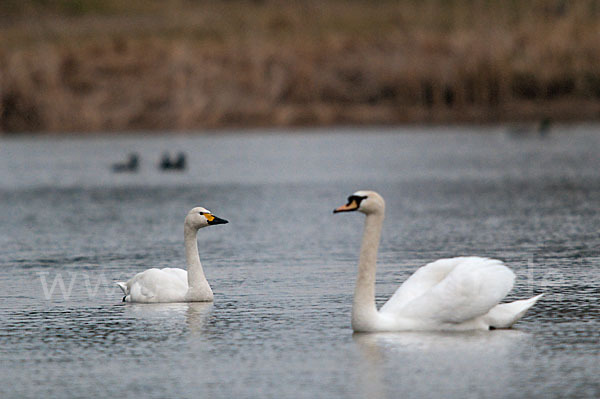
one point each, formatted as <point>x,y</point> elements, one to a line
<point>283,269</point>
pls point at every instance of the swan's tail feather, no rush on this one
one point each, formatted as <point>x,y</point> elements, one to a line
<point>505,315</point>
<point>123,286</point>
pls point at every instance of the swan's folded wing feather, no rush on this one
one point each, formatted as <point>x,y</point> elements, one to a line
<point>123,286</point>
<point>470,289</point>
<point>147,285</point>
<point>420,282</point>
<point>179,274</point>
<point>140,293</point>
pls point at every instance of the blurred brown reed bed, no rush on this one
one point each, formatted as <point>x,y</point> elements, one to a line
<point>107,65</point>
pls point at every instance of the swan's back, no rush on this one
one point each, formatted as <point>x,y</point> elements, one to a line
<point>420,282</point>
<point>452,290</point>
<point>158,285</point>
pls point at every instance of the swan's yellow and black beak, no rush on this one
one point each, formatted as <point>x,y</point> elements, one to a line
<point>349,207</point>
<point>212,219</point>
<point>352,205</point>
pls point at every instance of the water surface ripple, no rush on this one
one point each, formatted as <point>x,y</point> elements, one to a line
<point>283,269</point>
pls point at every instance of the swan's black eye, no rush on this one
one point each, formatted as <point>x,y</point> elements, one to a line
<point>201,213</point>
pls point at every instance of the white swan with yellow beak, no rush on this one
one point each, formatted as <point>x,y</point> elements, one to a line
<point>173,284</point>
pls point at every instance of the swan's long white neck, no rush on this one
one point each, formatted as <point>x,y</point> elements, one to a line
<point>195,274</point>
<point>364,311</point>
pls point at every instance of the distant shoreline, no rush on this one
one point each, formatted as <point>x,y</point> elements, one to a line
<point>229,65</point>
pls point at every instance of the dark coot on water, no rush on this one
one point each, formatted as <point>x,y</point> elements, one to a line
<point>166,163</point>
<point>131,165</point>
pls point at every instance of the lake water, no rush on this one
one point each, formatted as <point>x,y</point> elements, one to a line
<point>283,269</point>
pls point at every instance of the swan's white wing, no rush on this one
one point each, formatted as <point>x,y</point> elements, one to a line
<point>470,289</point>
<point>421,281</point>
<point>176,273</point>
<point>507,314</point>
<point>158,285</point>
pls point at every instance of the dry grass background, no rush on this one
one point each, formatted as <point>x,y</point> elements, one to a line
<point>109,65</point>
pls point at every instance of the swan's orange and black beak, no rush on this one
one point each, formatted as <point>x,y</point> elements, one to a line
<point>352,205</point>
<point>212,219</point>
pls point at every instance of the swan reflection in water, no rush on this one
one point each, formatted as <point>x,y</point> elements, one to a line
<point>171,315</point>
<point>410,361</point>
<point>439,341</point>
